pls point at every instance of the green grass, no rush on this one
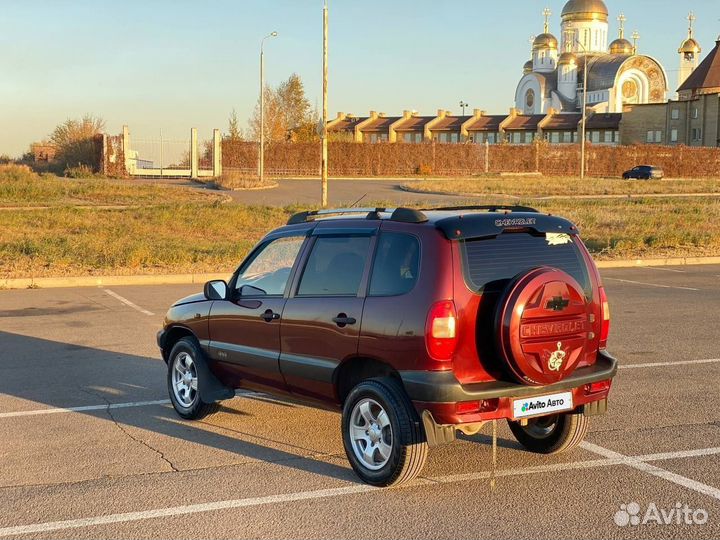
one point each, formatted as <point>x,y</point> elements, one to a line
<point>544,186</point>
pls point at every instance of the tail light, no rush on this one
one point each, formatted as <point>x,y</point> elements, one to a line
<point>605,329</point>
<point>441,331</point>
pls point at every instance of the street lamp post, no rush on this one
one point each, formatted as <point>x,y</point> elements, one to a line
<point>261,160</point>
<point>584,110</point>
<point>464,104</point>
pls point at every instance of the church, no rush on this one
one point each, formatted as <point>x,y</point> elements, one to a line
<point>617,75</point>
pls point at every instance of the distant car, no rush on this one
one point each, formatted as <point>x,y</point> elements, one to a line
<point>644,172</point>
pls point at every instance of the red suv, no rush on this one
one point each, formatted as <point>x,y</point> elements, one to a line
<point>416,324</point>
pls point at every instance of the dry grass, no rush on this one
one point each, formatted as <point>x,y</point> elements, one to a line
<point>180,238</point>
<point>534,186</point>
<point>235,180</point>
<point>20,186</point>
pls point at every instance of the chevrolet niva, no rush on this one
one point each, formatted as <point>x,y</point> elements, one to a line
<point>415,324</point>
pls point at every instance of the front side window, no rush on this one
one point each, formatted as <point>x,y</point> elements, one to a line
<point>396,266</point>
<point>335,266</point>
<point>268,271</point>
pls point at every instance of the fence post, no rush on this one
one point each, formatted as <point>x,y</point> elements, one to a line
<point>537,156</point>
<point>193,154</point>
<point>127,151</point>
<point>487,156</point>
<point>217,154</point>
<point>104,154</point>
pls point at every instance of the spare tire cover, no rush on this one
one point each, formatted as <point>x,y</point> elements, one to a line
<point>542,325</point>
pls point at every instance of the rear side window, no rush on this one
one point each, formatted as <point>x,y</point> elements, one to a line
<point>396,267</point>
<point>490,263</point>
<point>335,266</point>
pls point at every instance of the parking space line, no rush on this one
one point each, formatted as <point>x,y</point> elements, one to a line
<point>657,285</point>
<point>127,302</point>
<point>669,364</point>
<point>610,458</point>
<point>60,410</point>
<point>661,269</point>
<point>653,470</point>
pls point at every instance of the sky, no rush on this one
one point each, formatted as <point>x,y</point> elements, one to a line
<point>174,64</point>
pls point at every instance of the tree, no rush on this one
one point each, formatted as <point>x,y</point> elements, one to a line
<point>234,131</point>
<point>75,141</point>
<point>288,115</point>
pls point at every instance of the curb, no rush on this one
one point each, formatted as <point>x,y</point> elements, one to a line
<point>600,196</point>
<point>639,263</point>
<point>107,281</point>
<point>189,279</point>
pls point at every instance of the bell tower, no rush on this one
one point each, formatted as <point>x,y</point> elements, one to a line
<point>689,52</point>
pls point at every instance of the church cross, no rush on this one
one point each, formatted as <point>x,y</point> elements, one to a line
<point>621,19</point>
<point>546,14</point>
<point>636,38</point>
<point>691,18</point>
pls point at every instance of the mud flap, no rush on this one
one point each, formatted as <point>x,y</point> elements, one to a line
<point>437,434</point>
<point>209,386</point>
<point>596,408</point>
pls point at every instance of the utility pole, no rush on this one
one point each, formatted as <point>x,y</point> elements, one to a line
<point>324,168</point>
<point>261,152</point>
<point>586,61</point>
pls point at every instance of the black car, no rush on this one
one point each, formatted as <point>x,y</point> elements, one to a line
<point>644,172</point>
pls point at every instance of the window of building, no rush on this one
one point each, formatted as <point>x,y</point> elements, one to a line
<point>674,135</point>
<point>408,137</point>
<point>675,114</point>
<point>596,136</point>
<point>658,136</point>
<point>396,266</point>
<point>650,136</point>
<point>696,134</point>
<point>654,136</point>
<point>373,138</point>
<point>418,138</point>
<point>555,137</point>
<point>516,137</point>
<point>268,271</point>
<point>335,266</point>
<point>491,138</point>
<point>567,136</point>
<point>443,138</point>
<point>529,136</point>
<point>617,136</point>
<point>454,138</point>
<point>695,113</point>
<point>608,137</point>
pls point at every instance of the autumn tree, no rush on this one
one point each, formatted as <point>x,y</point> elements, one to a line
<point>288,114</point>
<point>74,140</point>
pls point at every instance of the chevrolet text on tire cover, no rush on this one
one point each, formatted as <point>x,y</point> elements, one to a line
<point>414,324</point>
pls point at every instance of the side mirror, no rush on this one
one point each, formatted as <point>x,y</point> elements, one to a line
<point>216,290</point>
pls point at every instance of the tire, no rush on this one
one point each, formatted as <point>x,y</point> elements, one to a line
<point>564,432</point>
<point>398,431</point>
<point>185,397</point>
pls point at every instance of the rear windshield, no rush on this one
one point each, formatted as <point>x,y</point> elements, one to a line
<point>490,263</point>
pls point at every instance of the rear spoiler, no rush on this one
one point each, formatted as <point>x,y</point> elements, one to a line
<point>484,225</point>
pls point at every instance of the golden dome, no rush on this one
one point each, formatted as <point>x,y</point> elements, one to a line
<point>585,10</point>
<point>545,41</point>
<point>567,58</point>
<point>528,67</point>
<point>690,46</point>
<point>621,46</point>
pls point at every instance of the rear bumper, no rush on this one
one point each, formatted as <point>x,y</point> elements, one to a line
<point>439,392</point>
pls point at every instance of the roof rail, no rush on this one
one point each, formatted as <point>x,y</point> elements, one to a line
<point>488,208</point>
<point>404,215</point>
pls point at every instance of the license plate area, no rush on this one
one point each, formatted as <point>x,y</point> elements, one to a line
<point>542,405</point>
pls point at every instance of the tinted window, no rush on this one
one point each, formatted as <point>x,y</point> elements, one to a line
<point>490,263</point>
<point>268,271</point>
<point>335,266</point>
<point>396,266</point>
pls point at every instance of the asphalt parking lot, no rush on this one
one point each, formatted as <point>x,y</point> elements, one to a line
<point>89,446</point>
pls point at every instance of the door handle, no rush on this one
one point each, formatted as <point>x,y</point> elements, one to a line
<point>342,320</point>
<point>270,315</point>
